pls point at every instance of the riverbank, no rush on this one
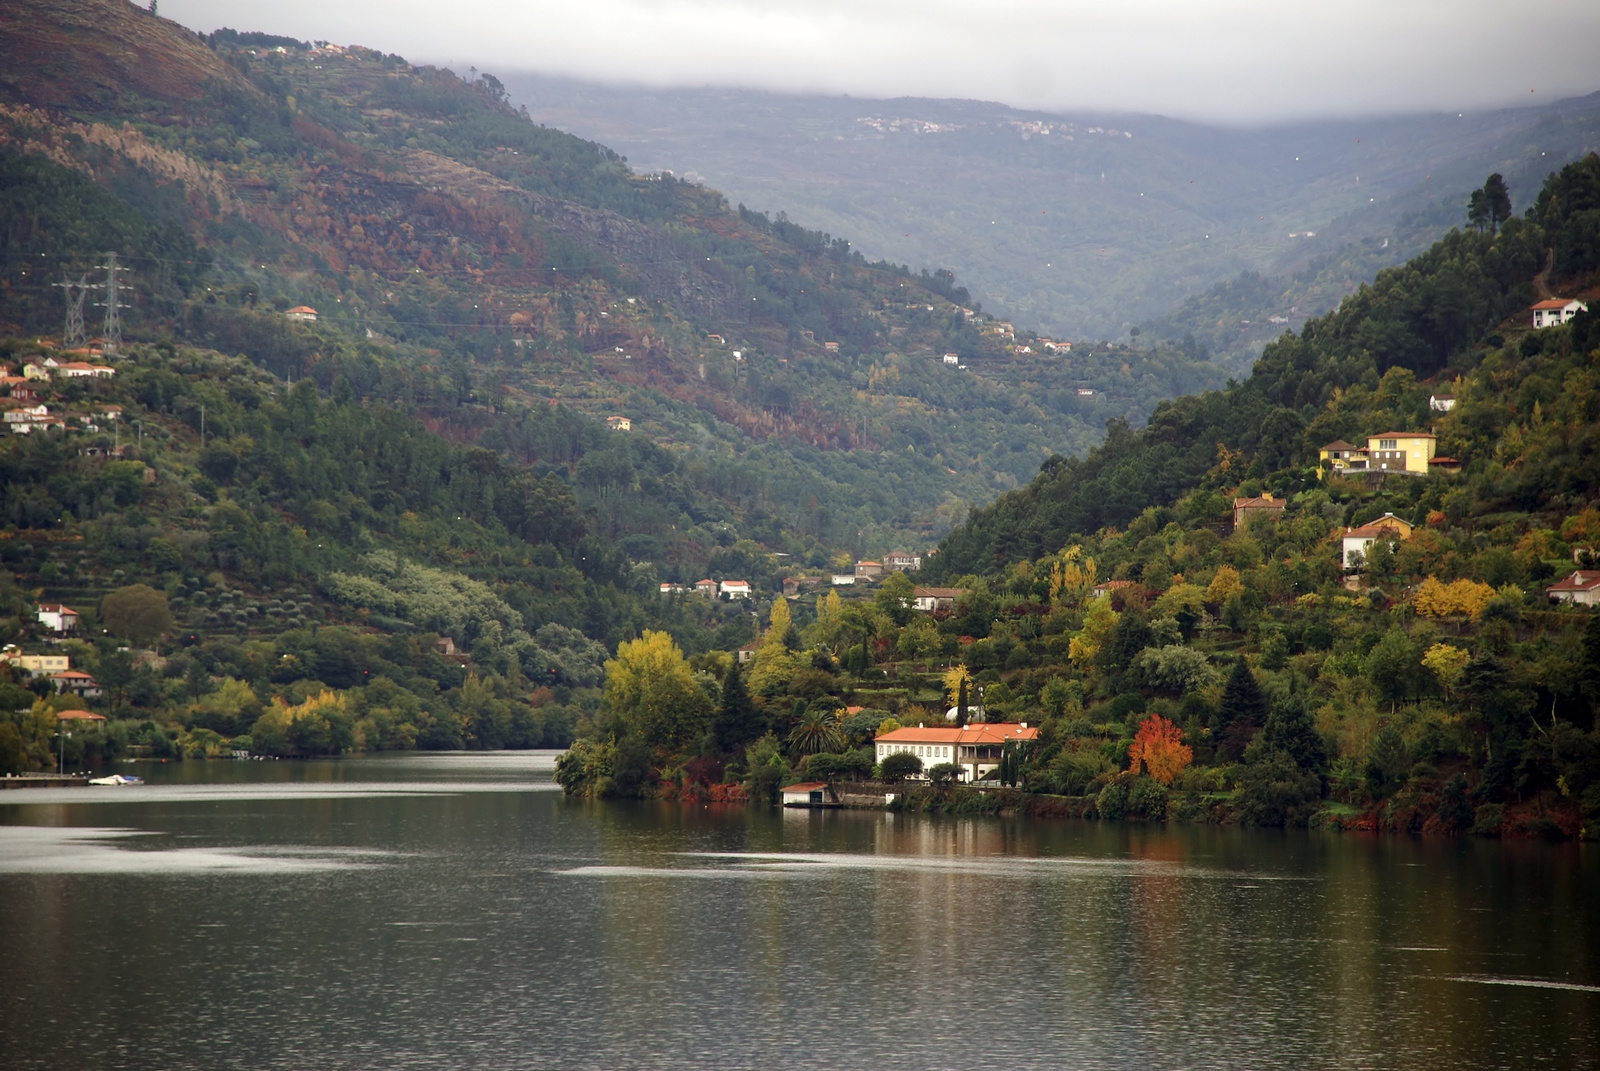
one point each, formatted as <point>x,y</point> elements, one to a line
<point>1534,819</point>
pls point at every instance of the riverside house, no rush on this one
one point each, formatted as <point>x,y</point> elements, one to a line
<point>975,748</point>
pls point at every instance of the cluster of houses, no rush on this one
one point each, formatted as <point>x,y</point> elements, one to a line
<point>711,589</point>
<point>23,410</point>
<point>56,667</point>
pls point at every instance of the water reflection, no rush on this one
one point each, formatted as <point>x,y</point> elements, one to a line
<point>455,911</point>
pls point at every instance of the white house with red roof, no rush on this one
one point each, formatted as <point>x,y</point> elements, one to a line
<point>58,618</point>
<point>735,589</point>
<point>1582,587</point>
<point>302,312</point>
<point>809,794</point>
<point>975,748</point>
<point>1553,312</point>
<point>76,682</point>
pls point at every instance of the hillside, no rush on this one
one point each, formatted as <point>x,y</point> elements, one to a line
<point>1364,649</point>
<point>507,265</point>
<point>1083,224</point>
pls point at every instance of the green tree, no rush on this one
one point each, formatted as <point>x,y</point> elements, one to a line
<point>1240,712</point>
<point>893,598</point>
<point>1289,729</point>
<point>899,766</point>
<point>138,612</point>
<point>817,732</point>
<point>737,722</point>
<point>1393,666</point>
<point>1497,201</point>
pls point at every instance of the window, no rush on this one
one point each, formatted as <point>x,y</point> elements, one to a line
<point>1386,444</point>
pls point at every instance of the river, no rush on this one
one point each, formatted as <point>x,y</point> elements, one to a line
<point>455,911</point>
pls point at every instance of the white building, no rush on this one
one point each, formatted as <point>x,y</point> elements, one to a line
<point>976,747</point>
<point>58,618</point>
<point>736,589</point>
<point>1553,312</point>
<point>302,312</point>
<point>1582,587</point>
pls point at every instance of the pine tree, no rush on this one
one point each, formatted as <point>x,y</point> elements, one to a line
<point>1289,729</point>
<point>737,721</point>
<point>1241,711</point>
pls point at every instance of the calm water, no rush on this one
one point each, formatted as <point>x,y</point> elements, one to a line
<point>454,911</point>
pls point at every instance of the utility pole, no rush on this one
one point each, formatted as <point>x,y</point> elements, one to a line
<point>202,427</point>
<point>112,304</point>
<point>72,337</point>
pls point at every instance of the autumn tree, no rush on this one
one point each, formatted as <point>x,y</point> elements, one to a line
<point>1159,749</point>
<point>1223,585</point>
<point>651,690</point>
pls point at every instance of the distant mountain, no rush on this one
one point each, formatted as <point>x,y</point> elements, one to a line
<point>491,266</point>
<point>1083,224</point>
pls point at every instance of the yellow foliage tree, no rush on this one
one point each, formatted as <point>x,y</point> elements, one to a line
<point>1224,584</point>
<point>953,678</point>
<point>1098,622</point>
<point>778,618</point>
<point>1445,662</point>
<point>1469,597</point>
<point>1431,599</point>
<point>650,686</point>
<point>1071,574</point>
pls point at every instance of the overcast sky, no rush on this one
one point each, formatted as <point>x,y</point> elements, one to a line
<point>1230,60</point>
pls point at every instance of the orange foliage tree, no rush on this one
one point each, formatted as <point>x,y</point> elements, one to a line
<point>1158,746</point>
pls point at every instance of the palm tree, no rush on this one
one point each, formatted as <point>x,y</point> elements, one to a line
<point>817,732</point>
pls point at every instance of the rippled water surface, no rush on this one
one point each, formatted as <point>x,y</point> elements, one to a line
<point>454,911</point>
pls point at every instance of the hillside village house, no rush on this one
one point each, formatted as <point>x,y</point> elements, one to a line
<point>1553,312</point>
<point>668,588</point>
<point>619,423</point>
<point>736,589</point>
<point>1405,451</point>
<point>302,312</point>
<point>1106,587</point>
<point>1582,588</point>
<point>83,370</point>
<point>35,665</point>
<point>952,359</point>
<point>900,562</point>
<point>1441,403</point>
<point>58,618</point>
<point>844,580</point>
<point>868,570</point>
<point>747,653</point>
<point>76,682</point>
<point>1265,506</point>
<point>707,588</point>
<point>975,748</point>
<point>930,599</point>
<point>1357,542</point>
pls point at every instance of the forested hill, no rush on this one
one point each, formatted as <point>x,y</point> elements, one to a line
<point>501,265</point>
<point>1453,320</point>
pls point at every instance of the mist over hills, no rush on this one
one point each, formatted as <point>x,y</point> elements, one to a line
<point>1084,224</point>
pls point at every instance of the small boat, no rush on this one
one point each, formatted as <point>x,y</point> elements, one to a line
<point>116,779</point>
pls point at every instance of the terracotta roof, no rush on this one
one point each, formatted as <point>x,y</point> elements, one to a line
<point>1264,502</point>
<point>804,786</point>
<point>78,715</point>
<point>1371,528</point>
<point>1444,461</point>
<point>979,733</point>
<point>1340,444</point>
<point>303,308</point>
<point>72,674</point>
<point>1402,435</point>
<point>56,608</point>
<point>937,593</point>
<point>1582,580</point>
<point>1554,303</point>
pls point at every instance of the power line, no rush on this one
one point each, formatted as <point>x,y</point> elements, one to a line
<point>72,337</point>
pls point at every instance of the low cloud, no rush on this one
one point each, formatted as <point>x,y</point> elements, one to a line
<point>1227,60</point>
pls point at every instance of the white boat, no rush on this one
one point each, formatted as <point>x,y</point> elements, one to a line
<point>116,779</point>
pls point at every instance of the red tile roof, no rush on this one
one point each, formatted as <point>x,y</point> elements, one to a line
<point>1582,580</point>
<point>995,732</point>
<point>78,715</point>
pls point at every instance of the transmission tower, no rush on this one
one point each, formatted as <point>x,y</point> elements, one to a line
<point>113,329</point>
<point>75,293</point>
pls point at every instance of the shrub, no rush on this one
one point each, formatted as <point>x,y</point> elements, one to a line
<point>899,766</point>
<point>1147,799</point>
<point>1112,803</point>
<point>1277,792</point>
<point>1487,820</point>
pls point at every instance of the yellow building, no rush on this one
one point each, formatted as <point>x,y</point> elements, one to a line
<point>1404,451</point>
